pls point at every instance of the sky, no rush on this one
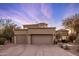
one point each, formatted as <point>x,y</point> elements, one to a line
<point>31,13</point>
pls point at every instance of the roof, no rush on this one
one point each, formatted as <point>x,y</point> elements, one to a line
<point>62,30</point>
<point>44,28</point>
<point>35,28</point>
<point>43,23</point>
<point>20,29</point>
<point>35,24</point>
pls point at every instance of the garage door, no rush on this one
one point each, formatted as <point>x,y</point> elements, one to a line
<point>41,39</point>
<point>21,39</point>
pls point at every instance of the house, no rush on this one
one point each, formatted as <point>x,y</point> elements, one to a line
<point>63,33</point>
<point>35,34</point>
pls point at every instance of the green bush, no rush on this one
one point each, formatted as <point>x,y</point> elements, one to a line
<point>2,41</point>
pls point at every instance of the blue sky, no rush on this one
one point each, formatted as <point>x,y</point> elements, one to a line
<point>52,13</point>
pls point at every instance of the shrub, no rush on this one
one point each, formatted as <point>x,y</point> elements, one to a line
<point>55,41</point>
<point>77,40</point>
<point>64,41</point>
<point>72,37</point>
<point>2,41</point>
<point>77,48</point>
<point>61,46</point>
<point>64,46</point>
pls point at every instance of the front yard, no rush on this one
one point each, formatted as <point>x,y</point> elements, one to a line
<point>71,47</point>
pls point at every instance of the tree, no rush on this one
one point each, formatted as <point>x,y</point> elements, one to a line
<point>8,33</point>
<point>72,37</point>
<point>9,27</point>
<point>72,23</point>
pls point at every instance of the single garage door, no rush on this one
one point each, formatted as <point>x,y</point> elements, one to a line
<point>41,39</point>
<point>21,39</point>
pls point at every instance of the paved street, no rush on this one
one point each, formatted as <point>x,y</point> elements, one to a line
<point>34,50</point>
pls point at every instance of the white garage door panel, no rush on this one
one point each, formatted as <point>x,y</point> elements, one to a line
<point>41,39</point>
<point>21,39</point>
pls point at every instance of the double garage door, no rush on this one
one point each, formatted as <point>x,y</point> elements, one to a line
<point>35,39</point>
<point>41,39</point>
<point>21,39</point>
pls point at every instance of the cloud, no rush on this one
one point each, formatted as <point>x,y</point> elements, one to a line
<point>37,12</point>
<point>47,11</point>
<point>31,10</point>
<point>15,16</point>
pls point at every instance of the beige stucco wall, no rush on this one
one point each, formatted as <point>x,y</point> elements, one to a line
<point>41,31</point>
<point>21,32</point>
<point>36,31</point>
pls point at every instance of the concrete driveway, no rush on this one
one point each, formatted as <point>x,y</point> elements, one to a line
<point>35,50</point>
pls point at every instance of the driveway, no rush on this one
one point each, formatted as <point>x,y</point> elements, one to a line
<point>35,50</point>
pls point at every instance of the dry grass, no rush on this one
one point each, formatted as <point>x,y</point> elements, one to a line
<point>2,47</point>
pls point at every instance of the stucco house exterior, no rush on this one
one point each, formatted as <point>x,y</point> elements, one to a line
<point>35,34</point>
<point>63,34</point>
